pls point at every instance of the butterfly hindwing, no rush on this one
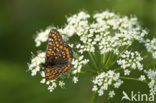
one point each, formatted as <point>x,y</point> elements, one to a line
<point>54,71</point>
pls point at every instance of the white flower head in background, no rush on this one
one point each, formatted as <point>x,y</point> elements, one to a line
<point>103,47</point>
<point>151,74</point>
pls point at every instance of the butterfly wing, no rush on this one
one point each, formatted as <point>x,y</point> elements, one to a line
<point>65,57</point>
<point>55,71</point>
<point>58,56</point>
<point>55,43</point>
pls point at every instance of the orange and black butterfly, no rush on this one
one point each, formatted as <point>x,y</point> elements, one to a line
<point>58,56</point>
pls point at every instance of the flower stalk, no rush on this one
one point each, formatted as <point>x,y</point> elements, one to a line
<point>130,78</point>
<point>94,97</point>
<point>93,60</point>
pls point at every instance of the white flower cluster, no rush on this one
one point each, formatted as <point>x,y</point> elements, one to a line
<point>104,80</point>
<point>34,66</point>
<point>78,64</point>
<point>42,37</point>
<point>76,24</point>
<point>151,74</point>
<point>108,32</point>
<point>151,46</point>
<point>130,60</point>
<point>52,84</point>
<point>113,31</point>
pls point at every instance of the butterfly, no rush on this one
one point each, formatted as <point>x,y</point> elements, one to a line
<point>58,56</point>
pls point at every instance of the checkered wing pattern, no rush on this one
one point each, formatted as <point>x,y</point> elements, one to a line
<point>58,56</point>
<point>55,43</point>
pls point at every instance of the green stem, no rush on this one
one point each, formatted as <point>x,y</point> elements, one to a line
<point>117,69</point>
<point>103,58</point>
<point>129,78</point>
<point>89,69</point>
<point>108,59</point>
<point>92,58</point>
<point>94,97</point>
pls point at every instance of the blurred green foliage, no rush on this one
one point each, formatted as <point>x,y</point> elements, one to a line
<point>19,21</point>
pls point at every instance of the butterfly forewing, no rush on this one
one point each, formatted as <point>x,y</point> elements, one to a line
<point>58,56</point>
<point>54,43</point>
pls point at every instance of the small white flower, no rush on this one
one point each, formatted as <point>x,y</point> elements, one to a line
<point>142,78</point>
<point>47,82</point>
<point>81,57</point>
<point>51,88</point>
<point>61,84</point>
<point>75,79</point>
<point>94,88</point>
<point>111,94</point>
<point>43,74</point>
<point>118,83</point>
<point>33,72</point>
<point>105,86</point>
<point>100,92</point>
<point>126,72</point>
<point>43,81</point>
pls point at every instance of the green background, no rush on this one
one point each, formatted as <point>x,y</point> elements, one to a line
<point>19,21</point>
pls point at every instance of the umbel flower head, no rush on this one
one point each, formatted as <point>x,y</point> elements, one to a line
<point>105,45</point>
